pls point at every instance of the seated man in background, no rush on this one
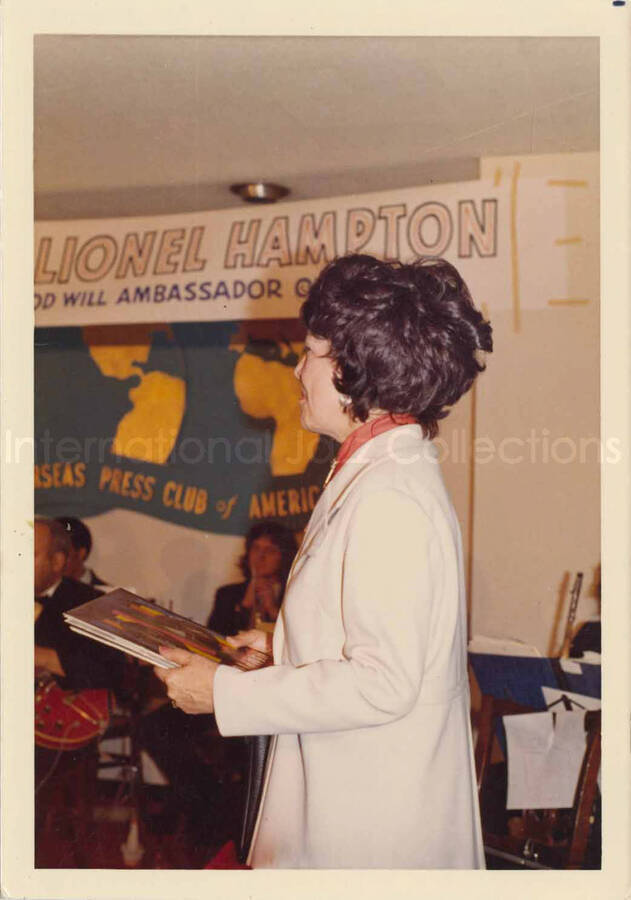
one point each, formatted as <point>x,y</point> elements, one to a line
<point>77,662</point>
<point>80,547</point>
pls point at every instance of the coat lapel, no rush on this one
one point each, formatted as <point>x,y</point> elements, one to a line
<point>368,456</point>
<point>405,440</point>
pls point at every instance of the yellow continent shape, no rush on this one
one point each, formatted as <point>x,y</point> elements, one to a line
<point>148,431</point>
<point>267,389</point>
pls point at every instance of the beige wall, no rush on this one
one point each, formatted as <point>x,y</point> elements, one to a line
<point>536,515</point>
<point>538,518</point>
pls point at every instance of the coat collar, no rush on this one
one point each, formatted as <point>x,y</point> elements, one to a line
<point>404,444</point>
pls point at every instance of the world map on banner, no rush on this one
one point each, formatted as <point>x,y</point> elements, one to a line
<point>197,424</point>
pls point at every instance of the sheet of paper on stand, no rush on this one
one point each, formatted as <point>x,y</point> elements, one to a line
<point>576,666</point>
<point>551,695</point>
<point>480,643</point>
<point>590,656</point>
<point>545,753</point>
<point>570,665</point>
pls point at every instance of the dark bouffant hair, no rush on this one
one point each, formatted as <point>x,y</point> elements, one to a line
<point>78,531</point>
<point>405,337</point>
<point>281,536</point>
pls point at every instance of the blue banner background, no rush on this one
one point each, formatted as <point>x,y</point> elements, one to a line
<point>151,418</point>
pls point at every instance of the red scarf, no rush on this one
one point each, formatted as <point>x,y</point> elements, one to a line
<point>364,433</point>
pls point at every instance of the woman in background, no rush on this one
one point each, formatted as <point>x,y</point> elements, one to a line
<point>254,603</point>
<point>372,764</point>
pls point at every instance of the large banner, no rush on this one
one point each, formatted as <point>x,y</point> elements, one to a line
<point>195,424</point>
<point>258,263</point>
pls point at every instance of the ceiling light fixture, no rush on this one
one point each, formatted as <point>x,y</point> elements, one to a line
<point>259,191</point>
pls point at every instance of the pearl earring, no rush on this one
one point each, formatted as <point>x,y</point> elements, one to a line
<point>344,402</point>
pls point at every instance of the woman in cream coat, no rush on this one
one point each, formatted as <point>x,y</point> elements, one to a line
<point>371,764</point>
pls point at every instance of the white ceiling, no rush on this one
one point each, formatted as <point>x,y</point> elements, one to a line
<point>141,125</point>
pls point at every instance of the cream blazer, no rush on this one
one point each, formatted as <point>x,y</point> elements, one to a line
<point>372,766</point>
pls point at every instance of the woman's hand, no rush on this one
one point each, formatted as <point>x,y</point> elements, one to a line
<point>254,638</point>
<point>190,687</point>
